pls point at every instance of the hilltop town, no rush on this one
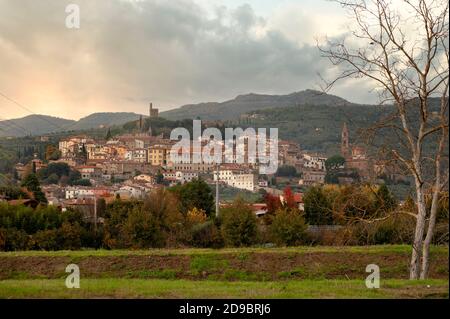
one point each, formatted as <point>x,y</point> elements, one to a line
<point>129,166</point>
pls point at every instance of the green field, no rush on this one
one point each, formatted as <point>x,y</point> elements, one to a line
<point>299,272</point>
<point>159,288</point>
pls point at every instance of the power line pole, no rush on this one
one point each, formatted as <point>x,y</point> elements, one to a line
<point>95,214</point>
<point>217,190</point>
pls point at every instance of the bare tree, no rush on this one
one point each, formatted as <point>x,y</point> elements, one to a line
<point>402,48</point>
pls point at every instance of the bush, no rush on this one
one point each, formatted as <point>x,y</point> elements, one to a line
<point>69,236</point>
<point>397,229</point>
<point>328,236</point>
<point>15,239</point>
<point>46,240</point>
<point>288,227</point>
<point>239,225</point>
<point>206,235</point>
<point>142,230</point>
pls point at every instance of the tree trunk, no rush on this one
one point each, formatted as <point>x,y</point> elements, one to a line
<point>430,231</point>
<point>418,235</point>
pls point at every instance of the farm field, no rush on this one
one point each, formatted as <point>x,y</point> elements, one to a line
<point>299,272</point>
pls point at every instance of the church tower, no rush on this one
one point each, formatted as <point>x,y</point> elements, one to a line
<point>345,144</point>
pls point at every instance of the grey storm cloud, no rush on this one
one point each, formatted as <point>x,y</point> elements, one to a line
<point>129,52</point>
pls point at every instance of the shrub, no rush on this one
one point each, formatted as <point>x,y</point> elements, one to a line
<point>195,216</point>
<point>15,239</point>
<point>46,240</point>
<point>206,235</point>
<point>239,225</point>
<point>397,229</point>
<point>142,230</point>
<point>69,236</point>
<point>288,227</point>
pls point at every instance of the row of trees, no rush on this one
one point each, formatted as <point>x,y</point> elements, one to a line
<point>182,216</point>
<point>339,205</point>
<point>46,228</point>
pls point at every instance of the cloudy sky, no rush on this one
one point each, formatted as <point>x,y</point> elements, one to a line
<point>127,53</point>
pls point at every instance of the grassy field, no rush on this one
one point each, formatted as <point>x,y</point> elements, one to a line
<point>299,272</point>
<point>159,288</point>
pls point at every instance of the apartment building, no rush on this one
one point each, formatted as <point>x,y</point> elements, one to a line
<point>241,179</point>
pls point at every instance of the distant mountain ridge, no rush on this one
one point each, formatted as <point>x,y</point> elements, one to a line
<point>43,124</point>
<point>232,109</point>
<point>104,119</point>
<point>228,110</point>
<point>33,125</point>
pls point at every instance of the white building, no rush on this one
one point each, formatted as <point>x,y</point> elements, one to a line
<point>139,155</point>
<point>238,179</point>
<point>180,176</point>
<point>314,162</point>
<point>132,192</point>
<point>79,191</point>
<point>185,176</point>
<point>145,178</point>
<point>72,144</point>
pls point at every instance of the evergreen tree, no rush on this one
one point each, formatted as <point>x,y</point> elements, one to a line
<point>31,183</point>
<point>317,207</point>
<point>108,134</point>
<point>195,194</point>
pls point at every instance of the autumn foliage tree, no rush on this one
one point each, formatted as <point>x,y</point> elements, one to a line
<point>402,51</point>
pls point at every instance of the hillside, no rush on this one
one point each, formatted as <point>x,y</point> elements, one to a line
<point>33,125</point>
<point>232,109</point>
<point>316,127</point>
<point>42,124</point>
<point>97,120</point>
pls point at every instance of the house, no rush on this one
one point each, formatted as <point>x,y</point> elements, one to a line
<point>139,155</point>
<point>74,192</point>
<point>312,177</point>
<point>127,191</point>
<point>238,178</point>
<point>298,198</point>
<point>145,178</point>
<point>314,161</point>
<point>263,183</point>
<point>84,205</point>
<point>24,202</point>
<point>158,154</point>
<point>185,176</point>
<point>90,172</point>
<point>260,209</point>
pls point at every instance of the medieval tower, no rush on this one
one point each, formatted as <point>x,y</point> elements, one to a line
<point>153,112</point>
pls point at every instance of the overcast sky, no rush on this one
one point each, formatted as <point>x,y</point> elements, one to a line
<point>128,53</point>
